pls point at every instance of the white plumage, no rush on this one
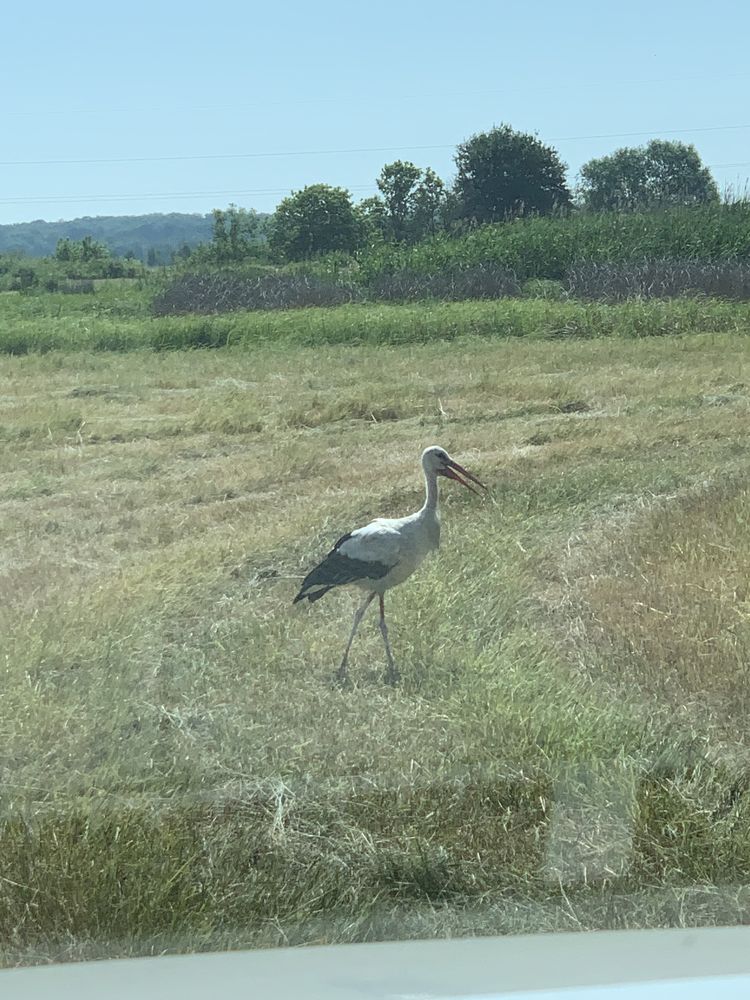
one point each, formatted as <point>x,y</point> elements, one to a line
<point>386,551</point>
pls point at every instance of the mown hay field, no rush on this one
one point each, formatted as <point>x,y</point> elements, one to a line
<point>568,748</point>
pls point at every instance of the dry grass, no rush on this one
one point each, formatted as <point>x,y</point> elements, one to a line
<point>178,771</point>
<point>668,602</point>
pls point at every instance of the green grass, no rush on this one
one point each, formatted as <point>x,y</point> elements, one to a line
<point>549,247</point>
<point>177,771</point>
<point>115,319</point>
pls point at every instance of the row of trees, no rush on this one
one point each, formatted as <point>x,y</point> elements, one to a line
<point>500,175</point>
<point>90,258</point>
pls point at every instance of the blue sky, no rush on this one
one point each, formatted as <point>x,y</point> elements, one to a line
<point>176,100</point>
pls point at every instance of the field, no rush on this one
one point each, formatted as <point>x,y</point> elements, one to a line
<point>568,748</point>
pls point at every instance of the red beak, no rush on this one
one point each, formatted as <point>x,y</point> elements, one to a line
<point>452,470</point>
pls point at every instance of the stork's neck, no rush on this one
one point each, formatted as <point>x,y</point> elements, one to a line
<point>431,493</point>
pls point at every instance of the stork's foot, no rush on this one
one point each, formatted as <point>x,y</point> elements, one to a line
<point>341,677</point>
<point>392,676</point>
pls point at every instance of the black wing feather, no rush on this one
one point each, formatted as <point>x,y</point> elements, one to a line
<point>336,570</point>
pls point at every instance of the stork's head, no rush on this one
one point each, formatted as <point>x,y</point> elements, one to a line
<point>437,462</point>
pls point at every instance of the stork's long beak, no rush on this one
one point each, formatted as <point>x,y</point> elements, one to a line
<point>452,470</point>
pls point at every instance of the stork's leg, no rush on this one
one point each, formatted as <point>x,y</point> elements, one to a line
<point>393,676</point>
<point>358,614</point>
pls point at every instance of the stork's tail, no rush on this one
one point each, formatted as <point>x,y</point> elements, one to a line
<point>319,581</point>
<point>311,595</point>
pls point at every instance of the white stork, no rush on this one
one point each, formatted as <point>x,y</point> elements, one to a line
<point>386,551</point>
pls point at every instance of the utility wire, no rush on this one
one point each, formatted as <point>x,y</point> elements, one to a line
<point>341,152</point>
<point>231,192</point>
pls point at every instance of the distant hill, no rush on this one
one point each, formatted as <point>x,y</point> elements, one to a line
<point>133,235</point>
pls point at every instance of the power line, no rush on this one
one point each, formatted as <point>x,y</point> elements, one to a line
<point>341,152</point>
<point>230,192</point>
<point>660,131</point>
<point>66,198</point>
<point>222,156</point>
<point>252,192</point>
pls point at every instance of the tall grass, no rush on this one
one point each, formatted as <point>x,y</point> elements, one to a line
<point>659,279</point>
<point>550,247</point>
<point>41,325</point>
<point>213,293</point>
<point>229,292</point>
<point>422,323</point>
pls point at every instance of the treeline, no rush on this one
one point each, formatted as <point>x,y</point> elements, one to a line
<point>152,239</point>
<point>502,176</point>
<point>74,267</point>
<point>509,205</point>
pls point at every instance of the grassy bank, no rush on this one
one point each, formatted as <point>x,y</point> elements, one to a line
<point>178,771</point>
<point>119,322</point>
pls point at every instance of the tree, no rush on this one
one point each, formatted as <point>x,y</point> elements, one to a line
<point>24,279</point>
<point>234,234</point>
<point>410,203</point>
<point>317,219</point>
<point>656,175</point>
<point>503,174</point>
<point>397,184</point>
<point>371,221</point>
<point>91,249</point>
<point>85,250</point>
<point>182,253</point>
<point>429,204</point>
<point>64,250</point>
